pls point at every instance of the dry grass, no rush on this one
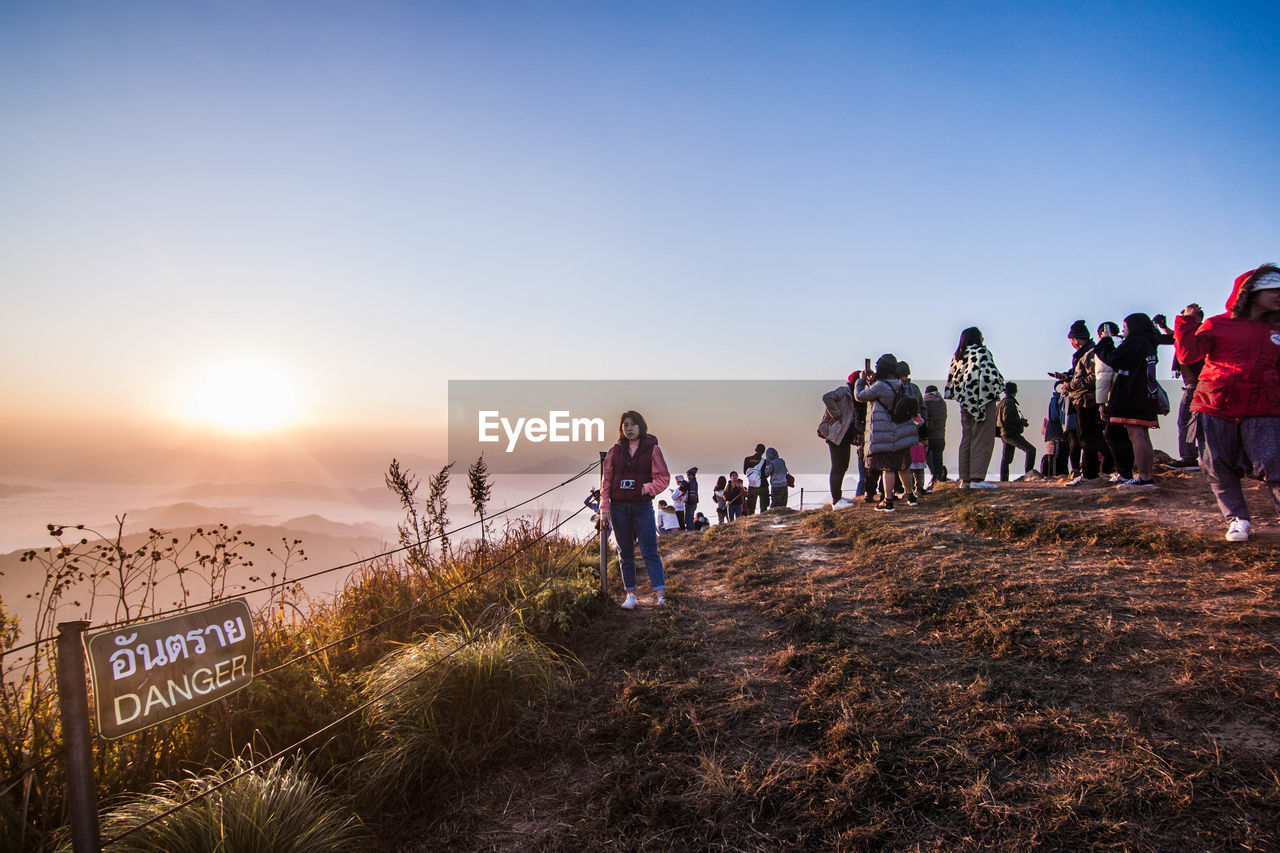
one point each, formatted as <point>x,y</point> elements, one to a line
<point>1002,672</point>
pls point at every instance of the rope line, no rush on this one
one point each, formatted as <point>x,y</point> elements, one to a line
<point>185,608</point>
<point>421,603</point>
<point>206,792</point>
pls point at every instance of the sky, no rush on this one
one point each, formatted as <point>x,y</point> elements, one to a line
<point>316,214</point>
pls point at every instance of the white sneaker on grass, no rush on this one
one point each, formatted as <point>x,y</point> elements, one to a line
<point>630,602</point>
<point>981,484</point>
<point>842,503</point>
<point>660,600</point>
<point>1240,530</point>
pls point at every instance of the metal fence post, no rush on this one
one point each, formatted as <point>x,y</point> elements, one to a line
<point>802,497</point>
<point>604,538</point>
<point>77,743</point>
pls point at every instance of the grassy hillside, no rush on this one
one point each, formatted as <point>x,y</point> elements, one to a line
<point>1033,668</point>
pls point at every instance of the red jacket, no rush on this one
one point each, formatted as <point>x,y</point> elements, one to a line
<point>1241,375</point>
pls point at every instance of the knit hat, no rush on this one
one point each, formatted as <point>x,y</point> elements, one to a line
<point>886,366</point>
<point>1079,331</point>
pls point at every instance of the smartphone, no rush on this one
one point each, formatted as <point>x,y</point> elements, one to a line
<point>866,365</point>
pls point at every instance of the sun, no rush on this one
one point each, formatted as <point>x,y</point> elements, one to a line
<point>242,394</point>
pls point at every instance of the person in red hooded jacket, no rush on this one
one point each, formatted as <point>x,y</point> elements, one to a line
<point>1237,399</point>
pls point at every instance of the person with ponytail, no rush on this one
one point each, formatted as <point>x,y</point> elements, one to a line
<point>1237,397</point>
<point>634,474</point>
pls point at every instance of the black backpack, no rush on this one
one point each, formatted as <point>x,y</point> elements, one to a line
<point>905,406</point>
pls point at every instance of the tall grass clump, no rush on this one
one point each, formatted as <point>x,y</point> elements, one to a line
<point>473,696</point>
<point>278,809</point>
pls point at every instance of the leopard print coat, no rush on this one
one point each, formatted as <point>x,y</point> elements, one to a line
<point>974,381</point>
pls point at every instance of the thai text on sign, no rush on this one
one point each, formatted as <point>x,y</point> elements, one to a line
<point>150,672</point>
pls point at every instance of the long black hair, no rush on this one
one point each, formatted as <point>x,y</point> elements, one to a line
<point>969,337</point>
<point>1140,324</point>
<point>1244,302</point>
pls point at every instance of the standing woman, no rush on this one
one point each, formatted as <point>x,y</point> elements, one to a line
<point>1132,402</point>
<point>634,474</point>
<point>888,442</point>
<point>975,382</point>
<point>1237,398</point>
<point>717,494</point>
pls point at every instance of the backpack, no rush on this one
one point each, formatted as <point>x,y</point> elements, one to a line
<point>905,407</point>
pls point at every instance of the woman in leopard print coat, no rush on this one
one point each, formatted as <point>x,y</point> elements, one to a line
<point>975,382</point>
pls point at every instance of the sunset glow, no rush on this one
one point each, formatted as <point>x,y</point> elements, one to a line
<point>243,394</point>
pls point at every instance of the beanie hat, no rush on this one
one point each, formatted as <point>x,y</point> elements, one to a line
<point>886,366</point>
<point>904,369</point>
<point>1079,330</point>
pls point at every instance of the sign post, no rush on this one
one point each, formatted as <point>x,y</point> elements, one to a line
<point>77,743</point>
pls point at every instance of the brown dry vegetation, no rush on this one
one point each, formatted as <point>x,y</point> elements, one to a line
<point>1009,670</point>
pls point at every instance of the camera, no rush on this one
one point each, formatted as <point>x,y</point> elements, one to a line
<point>627,484</point>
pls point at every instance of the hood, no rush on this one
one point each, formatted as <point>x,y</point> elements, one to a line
<point>1239,285</point>
<point>771,454</point>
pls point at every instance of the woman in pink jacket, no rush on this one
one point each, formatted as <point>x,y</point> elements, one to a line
<point>634,474</point>
<point>1237,399</point>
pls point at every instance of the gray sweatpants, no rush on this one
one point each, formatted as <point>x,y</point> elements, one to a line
<point>1229,452</point>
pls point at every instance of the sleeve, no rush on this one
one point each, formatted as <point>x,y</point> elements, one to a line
<point>1192,341</point>
<point>606,478</point>
<point>1104,376</point>
<point>952,386</point>
<point>661,476</point>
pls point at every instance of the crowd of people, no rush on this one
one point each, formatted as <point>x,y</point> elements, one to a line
<point>1097,426</point>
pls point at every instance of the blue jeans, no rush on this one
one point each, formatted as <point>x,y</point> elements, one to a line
<point>633,523</point>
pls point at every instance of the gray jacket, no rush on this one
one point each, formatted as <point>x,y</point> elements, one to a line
<point>883,435</point>
<point>774,468</point>
<point>839,416</point>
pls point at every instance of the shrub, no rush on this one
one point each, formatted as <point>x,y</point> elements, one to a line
<point>279,809</point>
<point>469,701</point>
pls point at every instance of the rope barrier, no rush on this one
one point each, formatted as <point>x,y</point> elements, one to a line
<point>185,608</point>
<point>222,784</point>
<point>418,604</point>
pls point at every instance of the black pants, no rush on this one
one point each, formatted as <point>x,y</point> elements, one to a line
<point>1121,450</point>
<point>777,496</point>
<point>840,454</point>
<point>1012,444</point>
<point>757,494</point>
<point>1093,446</point>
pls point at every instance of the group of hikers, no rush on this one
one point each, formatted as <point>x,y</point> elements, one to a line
<point>1098,423</point>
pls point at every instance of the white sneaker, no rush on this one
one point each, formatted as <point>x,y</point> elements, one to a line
<point>1075,481</point>
<point>630,602</point>
<point>843,502</point>
<point>1240,530</point>
<point>660,600</point>
<point>1116,478</point>
<point>981,484</point>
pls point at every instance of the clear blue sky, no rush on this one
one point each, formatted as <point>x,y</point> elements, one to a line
<point>377,197</point>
